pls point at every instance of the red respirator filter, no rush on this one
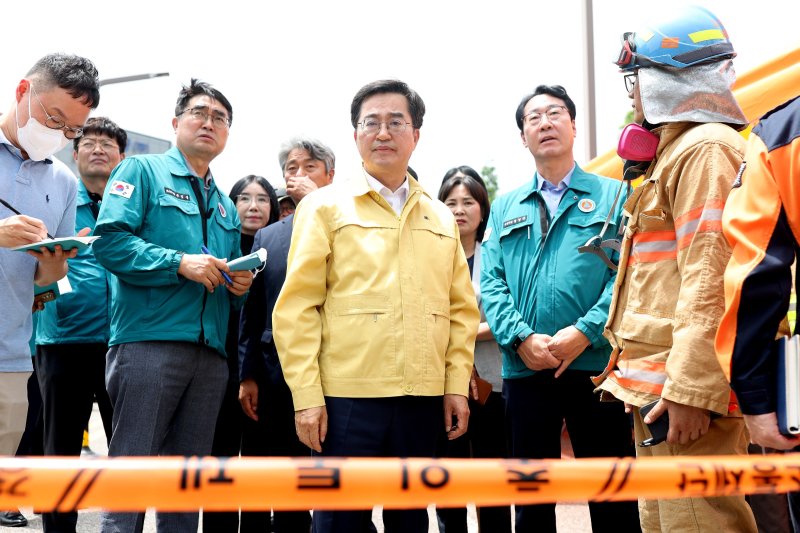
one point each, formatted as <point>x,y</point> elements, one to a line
<point>637,144</point>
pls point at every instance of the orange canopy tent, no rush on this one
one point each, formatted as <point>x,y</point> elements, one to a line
<point>757,91</point>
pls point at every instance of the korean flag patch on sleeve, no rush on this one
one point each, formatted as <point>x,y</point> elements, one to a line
<point>120,188</point>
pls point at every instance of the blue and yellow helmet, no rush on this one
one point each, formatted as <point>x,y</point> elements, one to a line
<point>691,37</point>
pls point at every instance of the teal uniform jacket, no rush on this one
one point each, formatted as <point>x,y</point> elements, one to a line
<point>149,218</point>
<point>80,316</point>
<point>534,285</point>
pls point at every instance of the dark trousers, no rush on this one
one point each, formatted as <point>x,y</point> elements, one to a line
<point>771,511</point>
<point>227,443</point>
<point>486,437</point>
<point>32,441</point>
<point>166,398</point>
<point>71,379</point>
<point>406,426</point>
<point>536,407</point>
<point>274,435</point>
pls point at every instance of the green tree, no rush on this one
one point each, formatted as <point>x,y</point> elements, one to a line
<point>628,118</point>
<point>490,179</point>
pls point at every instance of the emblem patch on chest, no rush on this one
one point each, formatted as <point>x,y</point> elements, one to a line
<point>587,205</point>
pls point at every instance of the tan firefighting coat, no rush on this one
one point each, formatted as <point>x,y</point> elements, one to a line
<point>668,296</point>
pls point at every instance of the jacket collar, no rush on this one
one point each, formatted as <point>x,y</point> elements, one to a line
<point>83,195</point>
<point>580,181</point>
<point>178,167</point>
<point>359,186</point>
<point>668,132</point>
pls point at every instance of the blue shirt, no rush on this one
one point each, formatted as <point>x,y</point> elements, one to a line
<point>552,194</point>
<point>41,189</point>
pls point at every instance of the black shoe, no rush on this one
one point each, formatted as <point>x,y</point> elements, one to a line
<point>12,519</point>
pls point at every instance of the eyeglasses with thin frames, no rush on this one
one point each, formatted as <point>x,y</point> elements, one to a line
<point>55,123</point>
<point>106,145</point>
<point>554,113</point>
<point>247,199</point>
<point>394,126</point>
<point>201,114</point>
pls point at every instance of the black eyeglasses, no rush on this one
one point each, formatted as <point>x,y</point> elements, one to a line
<point>630,81</point>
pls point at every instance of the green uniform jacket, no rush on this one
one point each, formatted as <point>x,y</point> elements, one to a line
<point>530,285</point>
<point>149,218</point>
<point>80,316</point>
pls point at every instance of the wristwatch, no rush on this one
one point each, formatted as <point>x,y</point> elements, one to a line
<point>518,342</point>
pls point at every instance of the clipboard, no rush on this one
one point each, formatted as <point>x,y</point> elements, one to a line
<point>789,385</point>
<point>249,262</point>
<point>67,243</point>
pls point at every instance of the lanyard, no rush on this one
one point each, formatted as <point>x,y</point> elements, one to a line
<point>544,219</point>
<point>201,203</point>
<point>94,203</point>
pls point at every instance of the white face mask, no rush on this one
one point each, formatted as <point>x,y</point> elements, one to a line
<point>39,141</point>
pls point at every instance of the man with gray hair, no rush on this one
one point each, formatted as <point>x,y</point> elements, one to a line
<point>38,194</point>
<point>307,165</point>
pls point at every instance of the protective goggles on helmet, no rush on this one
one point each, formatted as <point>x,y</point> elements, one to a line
<point>628,58</point>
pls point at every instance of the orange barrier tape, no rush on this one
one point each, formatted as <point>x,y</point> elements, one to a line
<point>183,484</point>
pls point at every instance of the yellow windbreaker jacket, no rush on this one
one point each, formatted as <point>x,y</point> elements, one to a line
<point>374,304</point>
<point>668,296</point>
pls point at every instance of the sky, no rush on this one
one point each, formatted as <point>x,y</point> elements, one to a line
<point>292,68</point>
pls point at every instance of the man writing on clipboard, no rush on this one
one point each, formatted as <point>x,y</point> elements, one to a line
<point>51,104</point>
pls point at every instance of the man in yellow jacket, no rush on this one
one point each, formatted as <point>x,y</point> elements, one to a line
<point>375,325</point>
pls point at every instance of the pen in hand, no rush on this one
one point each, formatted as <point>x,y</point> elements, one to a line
<point>225,275</point>
<point>13,210</point>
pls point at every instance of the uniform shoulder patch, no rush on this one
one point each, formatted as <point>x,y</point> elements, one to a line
<point>120,188</point>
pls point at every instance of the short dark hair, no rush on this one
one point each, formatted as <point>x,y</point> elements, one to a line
<point>103,126</point>
<point>75,74</point>
<point>416,107</point>
<point>556,91</point>
<point>197,87</point>
<point>242,184</point>
<point>316,150</point>
<point>469,178</point>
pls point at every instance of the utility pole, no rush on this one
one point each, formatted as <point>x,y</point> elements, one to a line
<point>591,120</point>
<point>134,77</point>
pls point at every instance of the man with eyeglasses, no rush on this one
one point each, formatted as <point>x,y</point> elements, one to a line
<point>285,203</point>
<point>669,296</point>
<point>37,199</point>
<point>307,165</point>
<point>375,325</point>
<point>546,305</point>
<point>72,331</point>
<point>167,232</point>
